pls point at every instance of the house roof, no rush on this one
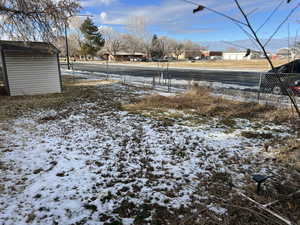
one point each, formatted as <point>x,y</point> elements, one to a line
<point>32,47</point>
<point>235,52</point>
<point>127,54</point>
<point>242,52</point>
<point>284,51</point>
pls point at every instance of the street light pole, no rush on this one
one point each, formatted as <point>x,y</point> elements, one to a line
<point>67,46</point>
<point>66,37</point>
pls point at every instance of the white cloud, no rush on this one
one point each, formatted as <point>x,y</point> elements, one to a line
<point>152,13</point>
<point>103,16</point>
<point>90,3</point>
<point>175,16</point>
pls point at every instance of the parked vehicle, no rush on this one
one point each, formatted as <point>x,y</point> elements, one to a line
<point>135,60</point>
<point>296,87</point>
<point>289,76</point>
<point>291,67</point>
<point>159,60</point>
<point>171,59</point>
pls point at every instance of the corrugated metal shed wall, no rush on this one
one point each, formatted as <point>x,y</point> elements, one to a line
<point>30,75</point>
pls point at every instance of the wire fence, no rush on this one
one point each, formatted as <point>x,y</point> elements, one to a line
<point>263,88</point>
<point>276,87</point>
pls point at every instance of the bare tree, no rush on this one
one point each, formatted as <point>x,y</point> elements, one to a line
<point>166,45</point>
<point>177,47</point>
<point>192,49</point>
<point>131,43</point>
<point>73,44</point>
<point>113,40</point>
<point>75,24</point>
<point>137,26</point>
<point>35,19</point>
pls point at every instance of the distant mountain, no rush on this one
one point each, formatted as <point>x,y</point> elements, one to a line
<point>273,46</point>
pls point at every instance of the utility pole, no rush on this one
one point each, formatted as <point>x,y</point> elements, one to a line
<point>289,46</point>
<point>66,37</point>
<point>67,46</point>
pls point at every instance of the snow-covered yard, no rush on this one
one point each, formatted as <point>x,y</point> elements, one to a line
<point>90,162</point>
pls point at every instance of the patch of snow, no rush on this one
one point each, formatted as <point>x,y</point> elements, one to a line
<point>57,167</point>
<point>217,209</point>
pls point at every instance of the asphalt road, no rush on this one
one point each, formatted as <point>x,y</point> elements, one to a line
<point>248,79</point>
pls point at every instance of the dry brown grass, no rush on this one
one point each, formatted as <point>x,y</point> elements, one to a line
<point>11,107</point>
<point>228,64</point>
<point>71,81</point>
<point>288,151</point>
<point>219,64</point>
<point>74,89</point>
<point>201,102</point>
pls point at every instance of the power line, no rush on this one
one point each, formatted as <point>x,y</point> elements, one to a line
<point>187,1</point>
<point>283,22</point>
<point>270,16</point>
<point>215,11</point>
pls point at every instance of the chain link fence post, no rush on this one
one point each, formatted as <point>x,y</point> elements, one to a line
<point>259,87</point>
<point>107,69</point>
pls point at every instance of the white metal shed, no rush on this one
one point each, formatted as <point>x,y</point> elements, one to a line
<point>30,68</point>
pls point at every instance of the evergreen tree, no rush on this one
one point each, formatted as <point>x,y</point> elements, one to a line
<point>157,48</point>
<point>93,38</point>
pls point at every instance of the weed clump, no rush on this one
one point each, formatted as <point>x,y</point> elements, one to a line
<point>255,135</point>
<point>199,100</point>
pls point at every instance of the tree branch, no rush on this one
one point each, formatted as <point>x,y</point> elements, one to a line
<point>270,16</point>
<point>266,54</point>
<point>281,24</point>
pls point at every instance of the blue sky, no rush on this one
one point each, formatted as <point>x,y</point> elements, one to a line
<point>174,18</point>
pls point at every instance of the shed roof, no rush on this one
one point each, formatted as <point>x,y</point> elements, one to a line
<point>26,46</point>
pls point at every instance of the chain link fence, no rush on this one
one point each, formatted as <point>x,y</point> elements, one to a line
<point>277,87</point>
<point>263,88</point>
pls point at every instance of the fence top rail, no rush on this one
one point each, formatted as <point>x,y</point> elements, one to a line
<point>283,74</point>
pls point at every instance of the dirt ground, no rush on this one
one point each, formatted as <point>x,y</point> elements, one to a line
<point>108,154</point>
<point>219,64</point>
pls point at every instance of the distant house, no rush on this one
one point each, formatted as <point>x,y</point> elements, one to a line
<point>182,56</point>
<point>30,68</point>
<point>240,55</point>
<point>189,54</point>
<point>283,52</point>
<point>193,53</point>
<point>123,56</point>
<point>212,54</point>
<point>288,52</point>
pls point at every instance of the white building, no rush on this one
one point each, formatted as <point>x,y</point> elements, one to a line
<point>30,68</point>
<point>240,55</point>
<point>288,52</point>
